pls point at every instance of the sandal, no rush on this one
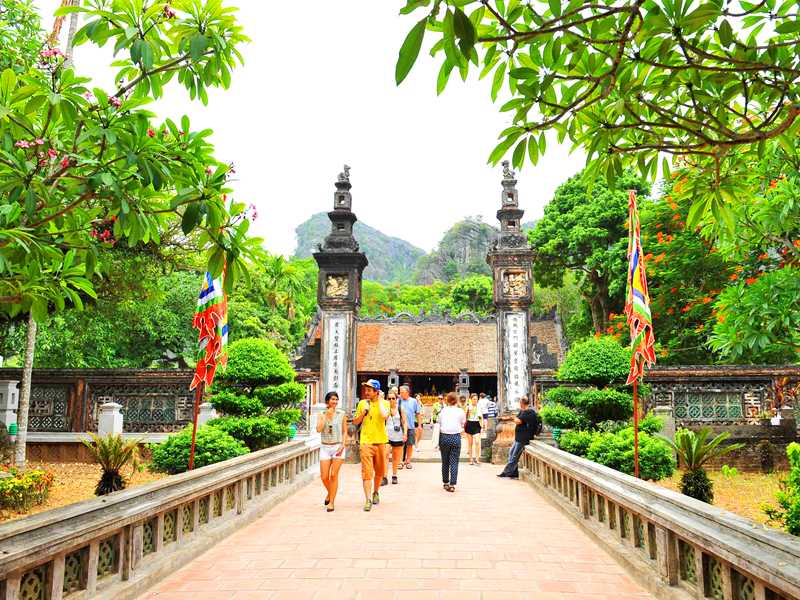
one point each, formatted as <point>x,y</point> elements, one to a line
<point>451,488</point>
<point>368,506</point>
<point>408,466</point>
<point>327,500</point>
<point>394,479</point>
<point>329,509</point>
<point>401,466</point>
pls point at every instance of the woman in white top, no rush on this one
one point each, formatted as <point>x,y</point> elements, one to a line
<point>473,429</point>
<point>332,427</point>
<point>451,425</point>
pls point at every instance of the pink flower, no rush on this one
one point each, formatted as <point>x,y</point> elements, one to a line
<point>115,102</point>
<point>169,12</point>
<point>64,162</point>
<point>39,141</point>
<point>52,153</point>
<point>209,170</point>
<point>88,95</point>
<point>23,144</point>
<point>231,169</point>
<point>151,132</point>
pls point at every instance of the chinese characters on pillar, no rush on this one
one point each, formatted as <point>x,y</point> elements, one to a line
<point>335,328</point>
<point>516,363</point>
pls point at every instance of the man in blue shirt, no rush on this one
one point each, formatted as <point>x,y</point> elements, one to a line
<point>411,409</point>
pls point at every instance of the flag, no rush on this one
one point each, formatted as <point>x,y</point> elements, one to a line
<point>211,321</point>
<point>637,303</point>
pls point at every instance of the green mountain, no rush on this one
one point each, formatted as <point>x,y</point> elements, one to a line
<point>391,260</point>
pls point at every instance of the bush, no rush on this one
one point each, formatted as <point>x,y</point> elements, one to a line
<point>597,361</point>
<point>284,395</point>
<point>213,445</point>
<point>605,405</point>
<point>787,514</point>
<point>562,395</point>
<point>286,416</point>
<point>19,490</point>
<point>113,454</point>
<point>576,442</point>
<point>557,415</point>
<point>254,362</point>
<point>696,484</point>
<point>651,424</point>
<point>231,403</point>
<point>615,450</point>
<point>256,433</point>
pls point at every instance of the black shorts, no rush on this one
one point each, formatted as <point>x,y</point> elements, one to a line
<point>472,427</point>
<point>396,444</point>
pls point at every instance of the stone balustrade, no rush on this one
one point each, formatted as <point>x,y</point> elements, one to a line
<point>117,546</point>
<point>676,546</point>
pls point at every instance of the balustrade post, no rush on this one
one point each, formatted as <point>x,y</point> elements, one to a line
<point>137,547</point>
<point>178,524</point>
<point>12,586</point>
<point>700,571</point>
<point>240,496</point>
<point>196,514</point>
<point>584,498</point>
<point>91,568</point>
<point>667,555</point>
<point>158,534</point>
<point>760,591</point>
<point>727,582</point>
<point>55,577</point>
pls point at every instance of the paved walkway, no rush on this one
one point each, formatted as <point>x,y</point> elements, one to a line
<point>492,539</point>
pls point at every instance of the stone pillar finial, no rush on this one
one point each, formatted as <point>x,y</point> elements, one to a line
<point>9,401</point>
<point>206,413</point>
<point>110,421</point>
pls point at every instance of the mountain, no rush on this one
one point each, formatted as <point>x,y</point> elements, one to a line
<point>391,260</point>
<point>461,251</point>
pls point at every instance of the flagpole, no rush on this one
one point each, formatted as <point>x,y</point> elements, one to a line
<point>198,394</point>
<point>636,427</point>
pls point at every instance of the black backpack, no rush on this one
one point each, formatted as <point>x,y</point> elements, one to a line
<point>537,428</point>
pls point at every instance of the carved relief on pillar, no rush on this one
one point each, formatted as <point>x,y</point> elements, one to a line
<point>337,286</point>
<point>515,284</point>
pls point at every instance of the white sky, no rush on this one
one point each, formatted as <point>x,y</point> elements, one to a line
<point>317,90</point>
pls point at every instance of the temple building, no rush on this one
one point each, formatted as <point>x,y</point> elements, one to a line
<point>432,354</point>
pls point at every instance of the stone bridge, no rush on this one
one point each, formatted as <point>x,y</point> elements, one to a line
<point>255,527</point>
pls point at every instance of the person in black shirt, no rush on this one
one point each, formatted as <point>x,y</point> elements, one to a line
<point>525,431</point>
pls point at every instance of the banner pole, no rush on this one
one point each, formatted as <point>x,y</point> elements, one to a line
<point>197,395</point>
<point>636,427</point>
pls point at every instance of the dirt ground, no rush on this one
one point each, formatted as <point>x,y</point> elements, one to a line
<point>743,494</point>
<point>73,482</point>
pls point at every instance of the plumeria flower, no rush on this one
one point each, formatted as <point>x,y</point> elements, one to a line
<point>151,132</point>
<point>52,153</point>
<point>64,162</point>
<point>115,102</point>
<point>209,170</point>
<point>23,144</point>
<point>39,141</point>
<point>169,12</point>
<point>88,95</point>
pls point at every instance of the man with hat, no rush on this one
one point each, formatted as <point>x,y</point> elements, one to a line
<point>371,415</point>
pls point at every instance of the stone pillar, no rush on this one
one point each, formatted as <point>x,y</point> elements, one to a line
<point>393,380</point>
<point>339,297</point>
<point>9,401</point>
<point>206,413</point>
<point>463,383</point>
<point>665,413</point>
<point>110,420</point>
<point>511,260</point>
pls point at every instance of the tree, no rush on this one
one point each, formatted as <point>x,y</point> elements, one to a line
<point>626,80</point>
<point>21,36</point>
<point>584,231</point>
<point>473,294</point>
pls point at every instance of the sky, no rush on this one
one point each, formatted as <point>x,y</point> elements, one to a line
<point>316,91</point>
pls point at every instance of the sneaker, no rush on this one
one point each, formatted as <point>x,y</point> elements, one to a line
<point>394,479</point>
<point>368,506</point>
<point>375,498</point>
<point>502,475</point>
<point>384,481</point>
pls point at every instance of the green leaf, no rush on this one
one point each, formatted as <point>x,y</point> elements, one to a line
<point>8,80</point>
<point>465,32</point>
<point>792,26</point>
<point>444,75</point>
<point>409,51</point>
<point>499,76</point>
<point>522,73</point>
<point>725,33</point>
<point>191,217</point>
<point>518,158</point>
<point>197,46</point>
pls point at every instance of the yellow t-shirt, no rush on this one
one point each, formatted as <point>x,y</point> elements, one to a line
<point>373,427</point>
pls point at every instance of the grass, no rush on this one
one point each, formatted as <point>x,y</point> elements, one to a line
<point>743,494</point>
<point>73,482</point>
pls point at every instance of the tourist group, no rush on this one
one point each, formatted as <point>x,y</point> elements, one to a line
<point>388,428</point>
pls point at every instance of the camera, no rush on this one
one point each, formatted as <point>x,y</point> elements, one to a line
<point>397,427</point>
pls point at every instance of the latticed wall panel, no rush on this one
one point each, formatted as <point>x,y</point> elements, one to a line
<point>75,565</point>
<point>33,585</point>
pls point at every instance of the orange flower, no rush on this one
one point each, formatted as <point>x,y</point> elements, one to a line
<point>670,311</point>
<point>670,237</point>
<point>610,329</point>
<point>750,280</point>
<point>658,225</point>
<point>620,325</point>
<point>686,308</point>
<point>721,317</point>
<point>660,237</point>
<point>676,217</point>
<point>734,277</point>
<point>647,257</point>
<point>763,256</point>
<point>673,290</point>
<point>739,269</point>
<point>707,299</point>
<point>773,184</point>
<point>660,257</point>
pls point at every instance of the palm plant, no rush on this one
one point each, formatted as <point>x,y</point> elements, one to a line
<point>694,451</point>
<point>114,454</point>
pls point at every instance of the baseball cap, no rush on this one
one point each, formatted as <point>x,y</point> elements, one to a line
<point>373,383</point>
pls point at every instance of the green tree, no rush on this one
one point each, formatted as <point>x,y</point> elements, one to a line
<point>584,231</point>
<point>473,294</point>
<point>21,35</point>
<point>626,80</point>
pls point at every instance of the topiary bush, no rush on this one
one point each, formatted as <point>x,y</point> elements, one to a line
<point>254,363</point>
<point>651,424</point>
<point>605,405</point>
<point>255,432</point>
<point>596,361</point>
<point>562,395</point>
<point>213,445</point>
<point>289,394</point>
<point>576,442</point>
<point>286,416</point>
<point>231,403</point>
<point>563,417</point>
<point>615,450</point>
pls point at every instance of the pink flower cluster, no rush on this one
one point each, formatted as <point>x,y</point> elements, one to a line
<point>254,210</point>
<point>51,52</point>
<point>27,144</point>
<point>169,12</point>
<point>103,236</point>
<point>115,102</point>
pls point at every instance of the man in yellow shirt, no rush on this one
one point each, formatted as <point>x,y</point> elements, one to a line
<point>371,414</point>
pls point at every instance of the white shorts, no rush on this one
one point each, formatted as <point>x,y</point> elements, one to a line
<point>329,452</point>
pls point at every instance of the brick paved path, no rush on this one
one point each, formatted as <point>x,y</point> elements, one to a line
<point>493,539</point>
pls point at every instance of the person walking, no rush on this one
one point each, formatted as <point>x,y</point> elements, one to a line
<point>332,427</point>
<point>397,433</point>
<point>451,424</point>
<point>527,422</point>
<point>411,408</point>
<point>436,408</point>
<point>472,430</point>
<point>371,415</point>
<point>419,424</point>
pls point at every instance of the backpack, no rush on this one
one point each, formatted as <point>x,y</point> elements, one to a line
<point>537,428</point>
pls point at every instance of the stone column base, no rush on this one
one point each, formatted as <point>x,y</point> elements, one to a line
<point>503,441</point>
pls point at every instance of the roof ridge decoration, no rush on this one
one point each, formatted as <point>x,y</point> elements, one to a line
<point>443,318</point>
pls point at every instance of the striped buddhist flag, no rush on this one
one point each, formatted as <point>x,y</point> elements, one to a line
<point>637,303</point>
<point>211,322</point>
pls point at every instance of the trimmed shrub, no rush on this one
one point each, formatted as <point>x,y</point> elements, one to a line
<point>597,361</point>
<point>254,362</point>
<point>651,424</point>
<point>615,450</point>
<point>605,405</point>
<point>231,403</point>
<point>562,395</point>
<point>787,513</point>
<point>20,490</point>
<point>254,432</point>
<point>576,442</point>
<point>286,416</point>
<point>696,484</point>
<point>280,396</point>
<point>557,415</point>
<point>213,445</point>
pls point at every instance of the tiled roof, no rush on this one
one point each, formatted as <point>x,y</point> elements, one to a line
<point>427,348</point>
